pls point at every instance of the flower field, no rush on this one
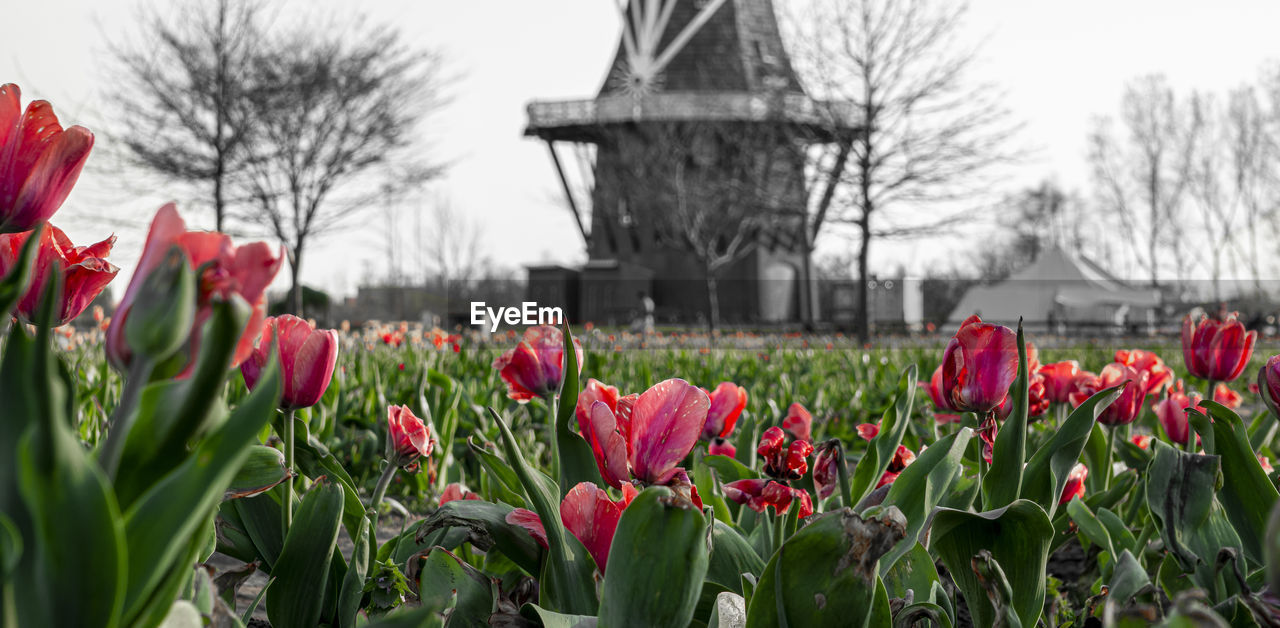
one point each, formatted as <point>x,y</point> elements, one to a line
<point>578,477</point>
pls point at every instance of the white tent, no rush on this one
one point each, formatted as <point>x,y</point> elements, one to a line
<point>1057,291</point>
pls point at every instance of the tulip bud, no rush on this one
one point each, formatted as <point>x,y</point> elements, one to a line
<point>163,312</point>
<point>1075,483</point>
<point>408,438</point>
<point>826,468</point>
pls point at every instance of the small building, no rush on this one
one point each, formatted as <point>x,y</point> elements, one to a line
<point>1061,292</point>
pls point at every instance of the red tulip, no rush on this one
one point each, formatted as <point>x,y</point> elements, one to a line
<point>826,468</point>
<point>721,447</point>
<point>665,423</point>
<point>1171,411</point>
<point>1216,350</point>
<point>589,514</point>
<point>727,402</point>
<point>1128,405</point>
<point>307,359</point>
<point>1159,376</point>
<point>1266,464</point>
<point>84,269</point>
<point>39,161</point>
<point>759,494</point>
<point>455,491</point>
<point>1227,397</point>
<point>1075,484</point>
<point>780,461</point>
<point>226,272</point>
<point>1083,386</point>
<point>1271,377</point>
<point>798,422</point>
<point>625,404</point>
<point>979,365</point>
<point>1037,400</point>
<point>1059,380</point>
<point>408,438</point>
<point>943,413</point>
<point>901,458</point>
<point>535,366</point>
<point>868,431</point>
<point>594,391</point>
<point>1141,440</point>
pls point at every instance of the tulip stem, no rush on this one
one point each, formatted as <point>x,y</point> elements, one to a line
<point>287,520</point>
<point>124,415</point>
<point>842,472</point>
<point>553,406</point>
<point>375,502</point>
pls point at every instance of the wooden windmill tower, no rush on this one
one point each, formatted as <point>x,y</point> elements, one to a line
<point>700,119</point>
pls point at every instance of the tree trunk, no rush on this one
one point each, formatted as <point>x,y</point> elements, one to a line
<point>864,275</point>
<point>219,202</point>
<point>713,303</point>
<point>807,315</point>
<point>295,286</point>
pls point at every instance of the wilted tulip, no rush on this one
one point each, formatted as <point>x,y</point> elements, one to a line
<point>1216,350</point>
<point>39,161</point>
<point>1059,380</point>
<point>408,438</point>
<point>1075,484</point>
<point>1159,376</point>
<point>727,402</point>
<point>1171,411</point>
<point>84,270</point>
<point>781,461</point>
<point>759,494</point>
<point>798,422</point>
<point>721,447</point>
<point>1128,405</point>
<point>826,468</point>
<point>979,365</point>
<point>455,491</point>
<point>227,272</point>
<point>534,368</point>
<point>307,359</point>
<point>1037,400</point>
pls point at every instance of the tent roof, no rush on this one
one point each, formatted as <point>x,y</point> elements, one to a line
<point>1055,278</point>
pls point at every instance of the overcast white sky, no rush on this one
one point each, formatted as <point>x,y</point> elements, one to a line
<point>1061,63</point>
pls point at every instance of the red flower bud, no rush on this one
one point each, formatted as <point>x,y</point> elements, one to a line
<point>408,438</point>
<point>1216,350</point>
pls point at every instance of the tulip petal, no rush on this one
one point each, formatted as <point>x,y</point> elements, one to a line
<point>601,431</point>
<point>665,425</point>
<point>592,517</point>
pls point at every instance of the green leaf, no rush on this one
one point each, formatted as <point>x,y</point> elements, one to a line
<point>826,575</point>
<point>353,582</point>
<point>262,470</point>
<point>1247,494</point>
<point>552,619</point>
<point>922,485</point>
<point>1046,473</point>
<point>1017,536</point>
<point>161,520</point>
<point>566,582</point>
<point>1003,481</point>
<point>1180,494</point>
<point>915,574</point>
<point>445,575</point>
<point>1090,527</point>
<point>731,556</point>
<point>487,528</point>
<point>729,469</point>
<point>657,562</point>
<point>1127,580</point>
<point>14,285</point>
<point>301,574</point>
<point>577,462</point>
<point>881,449</point>
<point>67,505</point>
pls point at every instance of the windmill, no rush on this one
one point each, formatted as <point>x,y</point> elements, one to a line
<point>700,96</point>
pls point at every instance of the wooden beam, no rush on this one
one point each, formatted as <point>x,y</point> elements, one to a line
<point>686,34</point>
<point>568,191</point>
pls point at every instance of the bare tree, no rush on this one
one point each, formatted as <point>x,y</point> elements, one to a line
<point>186,115</point>
<point>930,134</point>
<point>338,113</point>
<point>454,246</point>
<point>1255,158</point>
<point>1142,177</point>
